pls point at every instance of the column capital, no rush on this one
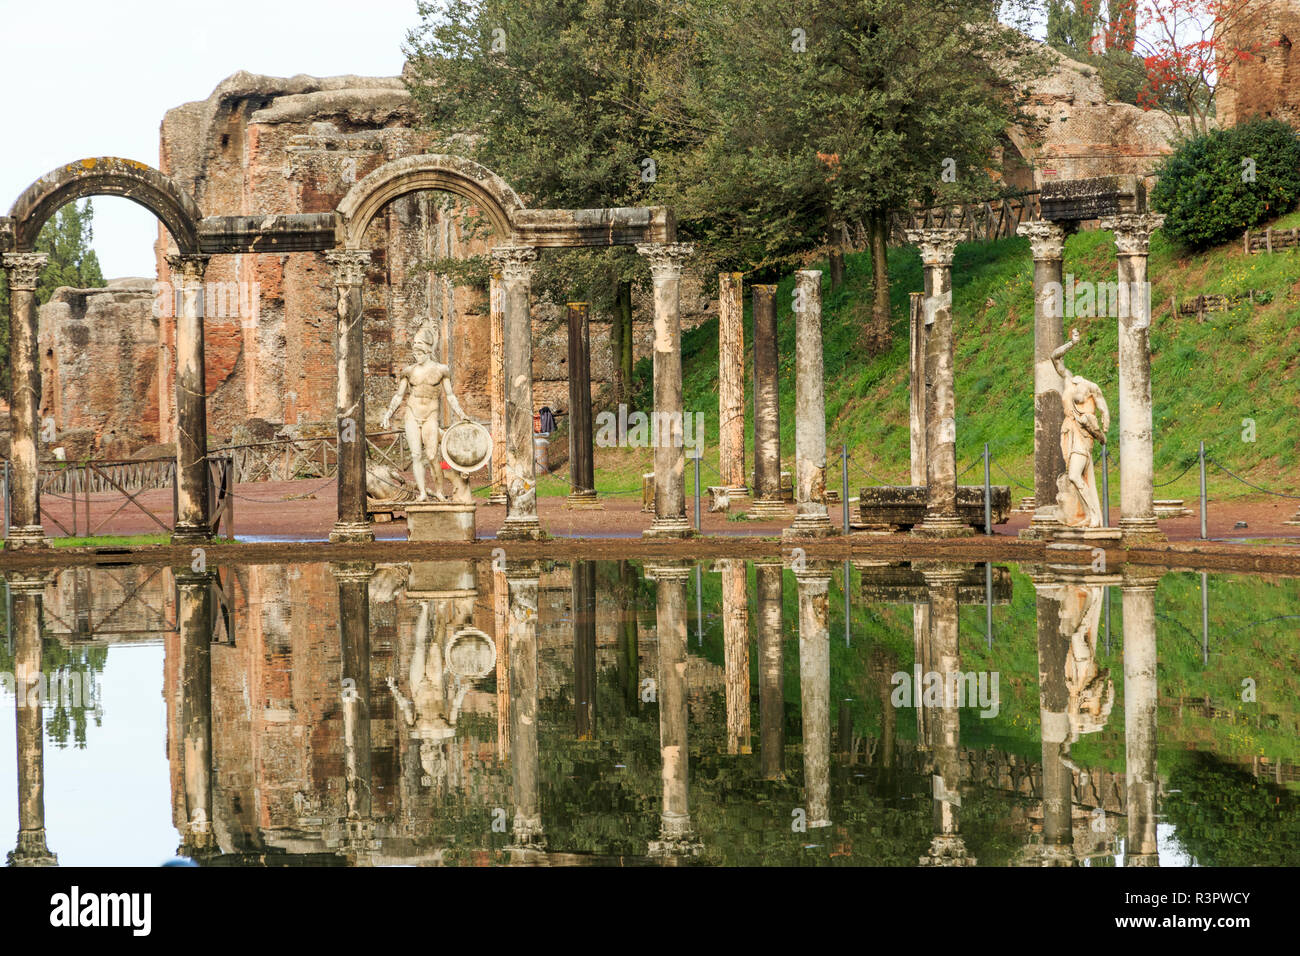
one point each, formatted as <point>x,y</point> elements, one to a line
<point>1133,231</point>
<point>666,258</point>
<point>1046,239</point>
<point>188,266</point>
<point>514,262</point>
<point>24,269</point>
<point>668,571</point>
<point>348,265</point>
<point>937,245</point>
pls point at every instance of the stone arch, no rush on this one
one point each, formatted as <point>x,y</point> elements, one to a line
<point>429,171</point>
<point>107,176</point>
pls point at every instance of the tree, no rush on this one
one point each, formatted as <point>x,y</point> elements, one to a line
<point>1189,47</point>
<point>67,239</point>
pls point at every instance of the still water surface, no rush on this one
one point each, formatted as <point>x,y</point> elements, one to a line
<point>731,712</point>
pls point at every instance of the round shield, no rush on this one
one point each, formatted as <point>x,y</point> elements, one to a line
<point>466,446</point>
<point>471,654</point>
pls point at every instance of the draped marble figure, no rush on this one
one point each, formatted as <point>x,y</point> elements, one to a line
<point>1087,420</point>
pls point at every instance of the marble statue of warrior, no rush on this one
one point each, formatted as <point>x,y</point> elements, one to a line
<point>1087,420</point>
<point>423,385</point>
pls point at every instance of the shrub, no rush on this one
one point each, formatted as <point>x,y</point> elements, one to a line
<point>1216,185</point>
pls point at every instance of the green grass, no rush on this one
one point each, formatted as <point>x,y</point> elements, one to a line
<point>121,541</point>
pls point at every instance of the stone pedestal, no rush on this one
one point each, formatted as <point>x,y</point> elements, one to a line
<point>25,529</point>
<point>1047,240</point>
<point>349,268</point>
<point>666,261</point>
<point>1136,449</point>
<point>812,519</point>
<point>583,501</point>
<point>440,521</point>
<point>941,517</point>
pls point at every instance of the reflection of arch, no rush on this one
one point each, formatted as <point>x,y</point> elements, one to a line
<point>454,174</point>
<point>107,176</point>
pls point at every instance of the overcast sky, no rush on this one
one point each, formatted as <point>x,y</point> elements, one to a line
<point>84,78</point>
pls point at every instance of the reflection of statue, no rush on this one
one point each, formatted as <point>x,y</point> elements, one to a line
<point>1092,693</point>
<point>1087,419</point>
<point>420,384</point>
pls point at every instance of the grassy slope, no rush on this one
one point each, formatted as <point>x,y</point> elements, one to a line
<point>1207,377</point>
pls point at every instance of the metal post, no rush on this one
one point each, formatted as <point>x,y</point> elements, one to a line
<point>6,502</point>
<point>848,608</point>
<point>73,490</point>
<point>1204,501</point>
<point>988,601</point>
<point>697,491</point>
<point>1108,619</point>
<point>1205,619</point>
<point>1105,489</point>
<point>988,499</point>
<point>699,588</point>
<point>844,494</point>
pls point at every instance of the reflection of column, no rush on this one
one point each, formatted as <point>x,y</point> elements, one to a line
<point>767,408</point>
<point>676,835</point>
<point>581,462</point>
<point>353,579</point>
<point>815,690</point>
<point>941,518</point>
<point>500,617</point>
<point>349,269</point>
<point>24,270</point>
<point>1140,696</point>
<point>1053,709</point>
<point>947,848</point>
<point>731,383</point>
<point>497,387</point>
<point>735,652</point>
<point>812,519</point>
<point>26,624</point>
<point>670,452</point>
<point>583,594</point>
<point>516,265</point>
<point>771,669</point>
<point>1047,240</point>
<point>1136,452</point>
<point>522,579</point>
<point>194,622</point>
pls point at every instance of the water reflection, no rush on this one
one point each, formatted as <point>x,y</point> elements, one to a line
<point>451,712</point>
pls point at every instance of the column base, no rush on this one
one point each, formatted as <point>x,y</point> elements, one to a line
<point>1142,859</point>
<point>497,498</point>
<point>943,526</point>
<point>948,850</point>
<point>26,536</point>
<point>31,850</point>
<point>1086,535</point>
<point>527,835</point>
<point>583,501</point>
<point>811,526</point>
<point>1294,519</point>
<point>187,535</point>
<point>1141,531</point>
<point>671,527</point>
<point>769,509</point>
<point>676,838</point>
<point>1041,527</point>
<point>521,528</point>
<point>344,532</point>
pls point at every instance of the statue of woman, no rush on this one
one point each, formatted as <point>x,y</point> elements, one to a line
<point>1087,419</point>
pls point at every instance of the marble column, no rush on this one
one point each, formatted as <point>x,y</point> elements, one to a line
<point>735,652</point>
<point>666,261</point>
<point>916,385</point>
<point>941,518</point>
<point>676,833</point>
<point>192,482</point>
<point>731,384</point>
<point>516,266</point>
<point>25,529</point>
<point>497,385</point>
<point>1057,848</point>
<point>947,847</point>
<point>526,829</point>
<point>1141,694</point>
<point>813,584</point>
<point>767,409</point>
<point>194,624</point>
<point>1047,241</point>
<point>349,269</point>
<point>771,669</point>
<point>26,625</point>
<point>812,520</point>
<point>1136,450</point>
<point>582,479</point>
<point>353,580</point>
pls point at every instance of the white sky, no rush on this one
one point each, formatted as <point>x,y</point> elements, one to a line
<point>89,78</point>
